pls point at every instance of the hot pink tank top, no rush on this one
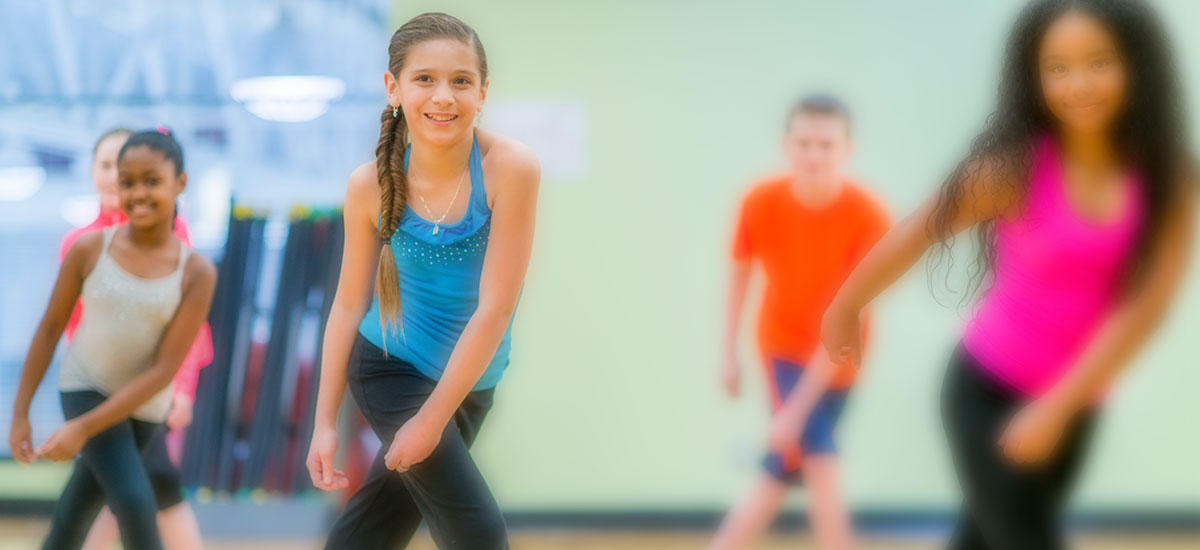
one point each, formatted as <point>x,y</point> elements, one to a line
<point>1057,277</point>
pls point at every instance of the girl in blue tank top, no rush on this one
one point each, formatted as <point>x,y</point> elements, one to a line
<point>441,225</point>
<point>439,266</point>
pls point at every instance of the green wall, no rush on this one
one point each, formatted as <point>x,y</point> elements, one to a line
<point>611,401</point>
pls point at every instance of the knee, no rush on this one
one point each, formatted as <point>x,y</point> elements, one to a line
<point>132,499</point>
<point>485,532</point>
<point>494,532</point>
<point>167,490</point>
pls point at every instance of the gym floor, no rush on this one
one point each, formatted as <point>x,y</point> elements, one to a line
<point>22,534</point>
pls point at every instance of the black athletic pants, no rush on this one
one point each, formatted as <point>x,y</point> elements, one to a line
<point>110,470</point>
<point>1005,507</point>
<point>446,489</point>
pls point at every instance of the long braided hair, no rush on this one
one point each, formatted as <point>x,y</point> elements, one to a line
<point>393,144</point>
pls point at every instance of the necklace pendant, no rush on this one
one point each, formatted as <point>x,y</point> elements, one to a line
<point>435,229</point>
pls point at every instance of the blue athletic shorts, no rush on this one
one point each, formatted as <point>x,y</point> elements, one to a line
<point>783,377</point>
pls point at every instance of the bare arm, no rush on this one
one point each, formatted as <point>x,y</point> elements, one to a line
<point>200,279</point>
<point>509,246</point>
<point>1034,434</point>
<point>516,175</point>
<point>172,348</point>
<point>76,264</point>
<point>62,301</point>
<point>1139,315</point>
<point>896,253</point>
<point>360,259</point>
<point>739,283</point>
<point>820,371</point>
<point>790,419</point>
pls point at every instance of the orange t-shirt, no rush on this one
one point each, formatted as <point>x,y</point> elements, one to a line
<point>806,254</point>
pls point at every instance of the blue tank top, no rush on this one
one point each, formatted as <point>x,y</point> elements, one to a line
<point>439,286</point>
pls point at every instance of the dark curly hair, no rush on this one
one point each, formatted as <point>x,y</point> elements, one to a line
<point>1150,133</point>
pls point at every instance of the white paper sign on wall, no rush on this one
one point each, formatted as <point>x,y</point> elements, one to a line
<point>556,129</point>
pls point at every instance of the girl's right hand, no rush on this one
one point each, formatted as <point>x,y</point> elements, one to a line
<point>20,440</point>
<point>841,334</point>
<point>320,461</point>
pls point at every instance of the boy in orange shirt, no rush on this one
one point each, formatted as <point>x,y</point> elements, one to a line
<point>807,230</point>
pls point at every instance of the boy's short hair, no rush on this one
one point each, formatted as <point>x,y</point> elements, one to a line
<point>821,105</point>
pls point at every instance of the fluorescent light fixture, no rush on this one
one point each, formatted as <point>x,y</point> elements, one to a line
<point>18,183</point>
<point>80,210</point>
<point>287,98</point>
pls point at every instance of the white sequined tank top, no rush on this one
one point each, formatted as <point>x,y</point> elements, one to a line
<point>124,318</point>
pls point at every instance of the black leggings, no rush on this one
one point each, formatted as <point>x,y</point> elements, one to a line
<point>109,470</point>
<point>446,489</point>
<point>1005,507</point>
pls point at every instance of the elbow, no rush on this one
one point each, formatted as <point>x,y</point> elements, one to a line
<point>496,315</point>
<point>50,330</point>
<point>343,319</point>
<point>1157,316</point>
<point>165,372</point>
<point>346,312</point>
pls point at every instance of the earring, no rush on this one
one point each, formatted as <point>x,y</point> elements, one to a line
<point>395,111</point>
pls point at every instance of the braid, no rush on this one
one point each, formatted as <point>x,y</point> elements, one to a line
<point>393,143</point>
<point>393,187</point>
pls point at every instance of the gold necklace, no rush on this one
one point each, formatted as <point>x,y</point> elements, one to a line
<point>438,222</point>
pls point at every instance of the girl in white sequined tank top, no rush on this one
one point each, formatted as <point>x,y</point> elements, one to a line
<point>145,296</point>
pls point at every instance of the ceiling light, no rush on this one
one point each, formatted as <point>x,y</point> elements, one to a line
<point>287,98</point>
<point>18,183</point>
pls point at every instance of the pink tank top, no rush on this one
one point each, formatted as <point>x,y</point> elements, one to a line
<point>1057,277</point>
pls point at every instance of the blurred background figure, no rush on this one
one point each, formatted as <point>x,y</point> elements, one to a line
<point>806,230</point>
<point>647,134</point>
<point>1082,188</point>
<point>142,298</point>
<point>177,523</point>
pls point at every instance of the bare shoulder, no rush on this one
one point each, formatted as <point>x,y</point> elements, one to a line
<point>83,254</point>
<point>88,244</point>
<point>362,192</point>
<point>994,174</point>
<point>364,181</point>
<point>508,161</point>
<point>200,270</point>
<point>992,185</point>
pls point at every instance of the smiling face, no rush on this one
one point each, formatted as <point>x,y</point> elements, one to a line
<point>1082,74</point>
<point>439,88</point>
<point>104,171</point>
<point>148,186</point>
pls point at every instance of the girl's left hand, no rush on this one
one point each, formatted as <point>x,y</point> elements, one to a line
<point>180,415</point>
<point>414,442</point>
<point>1032,436</point>
<point>65,443</point>
<point>841,335</point>
<point>784,435</point>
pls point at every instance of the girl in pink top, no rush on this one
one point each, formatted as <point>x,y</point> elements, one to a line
<point>1082,194</point>
<point>1056,278</point>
